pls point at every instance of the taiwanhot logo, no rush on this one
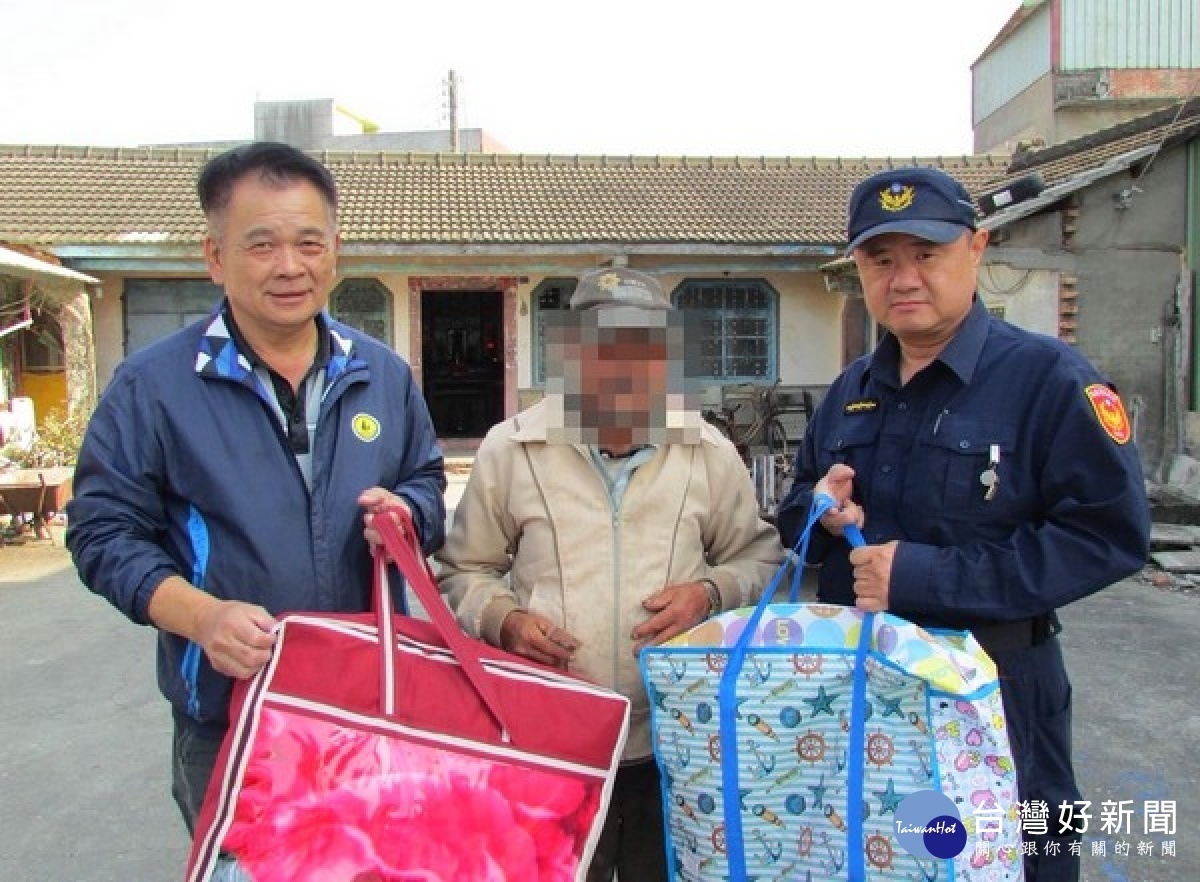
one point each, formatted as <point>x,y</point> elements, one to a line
<point>927,825</point>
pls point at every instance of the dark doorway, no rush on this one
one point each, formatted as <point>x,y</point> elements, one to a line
<point>462,356</point>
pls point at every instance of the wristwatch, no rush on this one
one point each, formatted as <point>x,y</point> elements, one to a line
<point>714,597</point>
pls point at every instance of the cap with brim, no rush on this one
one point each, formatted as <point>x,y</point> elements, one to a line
<point>920,201</point>
<point>621,297</point>
<point>941,232</point>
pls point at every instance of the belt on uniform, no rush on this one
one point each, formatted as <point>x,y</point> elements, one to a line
<point>1021,634</point>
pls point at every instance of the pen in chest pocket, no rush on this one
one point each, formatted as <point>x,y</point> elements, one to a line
<point>990,477</point>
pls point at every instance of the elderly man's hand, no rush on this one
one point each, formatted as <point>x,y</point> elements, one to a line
<point>537,638</point>
<point>673,610</point>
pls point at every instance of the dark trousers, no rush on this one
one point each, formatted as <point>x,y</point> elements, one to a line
<point>193,756</point>
<point>1037,709</point>
<point>632,844</point>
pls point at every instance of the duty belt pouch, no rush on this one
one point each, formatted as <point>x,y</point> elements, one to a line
<point>789,736</point>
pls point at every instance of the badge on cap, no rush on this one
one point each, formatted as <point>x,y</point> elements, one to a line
<point>1110,412</point>
<point>608,281</point>
<point>897,197</point>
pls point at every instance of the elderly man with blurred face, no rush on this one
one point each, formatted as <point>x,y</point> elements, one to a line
<point>993,470</point>
<point>225,473</point>
<point>605,518</point>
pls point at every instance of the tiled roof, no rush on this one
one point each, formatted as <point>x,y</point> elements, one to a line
<point>81,195</point>
<point>1179,122</point>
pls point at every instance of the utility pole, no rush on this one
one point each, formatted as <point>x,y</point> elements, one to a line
<point>452,94</point>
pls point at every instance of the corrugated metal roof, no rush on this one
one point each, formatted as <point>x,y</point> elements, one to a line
<point>1129,34</point>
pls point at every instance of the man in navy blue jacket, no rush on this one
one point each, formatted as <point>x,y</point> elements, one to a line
<point>993,469</point>
<point>225,472</point>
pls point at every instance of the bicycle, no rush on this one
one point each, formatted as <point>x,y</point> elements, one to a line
<point>766,430</point>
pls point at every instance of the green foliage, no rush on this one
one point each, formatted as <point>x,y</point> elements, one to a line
<point>56,442</point>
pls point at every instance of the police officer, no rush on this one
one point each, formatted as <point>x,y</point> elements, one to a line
<point>994,471</point>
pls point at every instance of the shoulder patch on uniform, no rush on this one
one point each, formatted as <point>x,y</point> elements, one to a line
<point>1110,412</point>
<point>365,427</point>
<point>862,405</point>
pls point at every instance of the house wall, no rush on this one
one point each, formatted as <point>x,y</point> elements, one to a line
<point>47,389</point>
<point>1028,115</point>
<point>1128,269</point>
<point>108,326</point>
<point>1012,66</point>
<point>809,319</point>
<point>1029,297</point>
<point>1125,265</point>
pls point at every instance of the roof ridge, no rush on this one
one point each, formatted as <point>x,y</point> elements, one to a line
<point>442,158</point>
<point>96,151</point>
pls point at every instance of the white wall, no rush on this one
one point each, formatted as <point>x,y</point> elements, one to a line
<point>1029,297</point>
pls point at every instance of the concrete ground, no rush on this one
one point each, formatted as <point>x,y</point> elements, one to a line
<point>84,769</point>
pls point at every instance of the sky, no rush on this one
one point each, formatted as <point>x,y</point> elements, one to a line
<point>649,77</point>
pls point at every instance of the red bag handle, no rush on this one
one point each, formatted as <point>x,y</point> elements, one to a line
<point>401,545</point>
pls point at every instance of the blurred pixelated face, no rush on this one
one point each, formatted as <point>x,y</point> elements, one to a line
<point>623,378</point>
<point>617,383</point>
<point>274,249</point>
<point>920,291</point>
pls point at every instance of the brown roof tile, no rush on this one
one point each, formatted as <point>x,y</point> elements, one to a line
<point>1170,125</point>
<point>81,195</point>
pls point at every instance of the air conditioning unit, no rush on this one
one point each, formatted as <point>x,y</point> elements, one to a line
<point>1015,192</point>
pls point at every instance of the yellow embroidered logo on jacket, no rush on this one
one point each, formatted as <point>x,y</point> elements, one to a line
<point>897,197</point>
<point>862,405</point>
<point>365,427</point>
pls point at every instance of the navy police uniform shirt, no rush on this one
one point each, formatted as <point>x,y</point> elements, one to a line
<point>1067,516</point>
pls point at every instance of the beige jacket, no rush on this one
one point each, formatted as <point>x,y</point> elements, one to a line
<point>540,515</point>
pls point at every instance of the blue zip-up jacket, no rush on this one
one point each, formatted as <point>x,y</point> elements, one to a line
<point>185,470</point>
<point>1068,517</point>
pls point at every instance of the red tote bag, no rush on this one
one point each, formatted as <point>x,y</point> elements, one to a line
<point>380,748</point>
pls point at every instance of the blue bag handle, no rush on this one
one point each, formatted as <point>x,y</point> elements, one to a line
<point>727,701</point>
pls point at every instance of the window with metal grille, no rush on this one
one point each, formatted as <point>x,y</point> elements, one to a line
<point>734,328</point>
<point>365,304</point>
<point>550,295</point>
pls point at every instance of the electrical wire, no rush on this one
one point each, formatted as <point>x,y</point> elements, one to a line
<point>997,291</point>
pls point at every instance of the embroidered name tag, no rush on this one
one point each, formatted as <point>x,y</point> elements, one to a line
<point>862,405</point>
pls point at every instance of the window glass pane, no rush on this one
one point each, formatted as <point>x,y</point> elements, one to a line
<point>154,308</point>
<point>366,305</point>
<point>735,328</point>
<point>548,296</point>
<point>551,297</point>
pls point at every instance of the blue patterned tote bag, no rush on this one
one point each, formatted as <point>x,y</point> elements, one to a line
<point>815,742</point>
